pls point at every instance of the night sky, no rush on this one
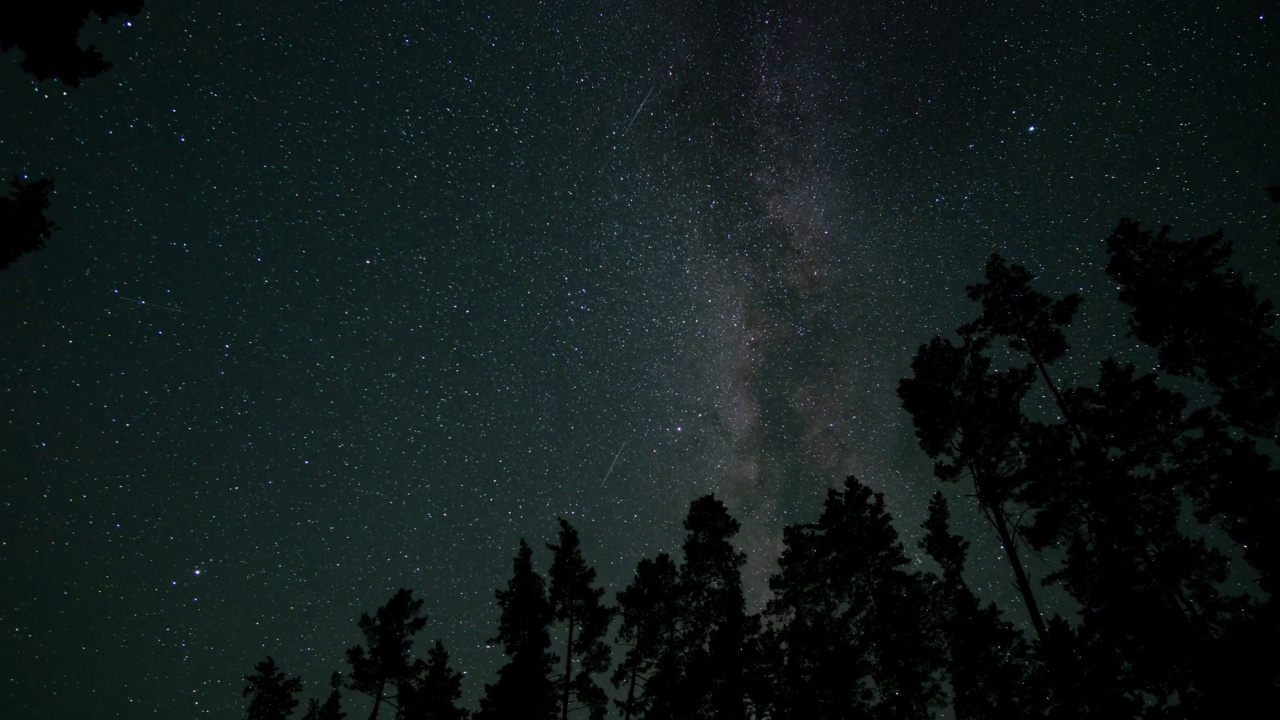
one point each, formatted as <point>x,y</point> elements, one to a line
<point>349,298</point>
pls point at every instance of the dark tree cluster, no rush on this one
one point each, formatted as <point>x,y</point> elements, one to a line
<point>48,35</point>
<point>1140,499</point>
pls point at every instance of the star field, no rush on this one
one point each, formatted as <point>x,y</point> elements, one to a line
<point>352,298</point>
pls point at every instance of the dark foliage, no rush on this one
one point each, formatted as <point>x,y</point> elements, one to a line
<point>987,660</point>
<point>969,419</point>
<point>48,36</point>
<point>709,677</point>
<point>272,695</point>
<point>434,692</point>
<point>524,689</point>
<point>575,602</point>
<point>331,708</point>
<point>384,662</point>
<point>22,219</point>
<point>1202,317</point>
<point>853,623</point>
<point>650,609</point>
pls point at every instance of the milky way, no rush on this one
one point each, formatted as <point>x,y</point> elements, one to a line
<point>350,299</point>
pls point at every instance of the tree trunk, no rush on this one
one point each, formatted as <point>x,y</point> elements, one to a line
<point>1019,574</point>
<point>568,668</point>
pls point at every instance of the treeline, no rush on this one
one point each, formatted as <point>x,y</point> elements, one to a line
<point>1160,515</point>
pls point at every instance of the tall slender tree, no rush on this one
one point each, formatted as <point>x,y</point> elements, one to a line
<point>524,689</point>
<point>272,695</point>
<point>1029,320</point>
<point>715,629</point>
<point>853,620</point>
<point>575,602</point>
<point>987,660</point>
<point>650,608</point>
<point>969,419</point>
<point>385,661</point>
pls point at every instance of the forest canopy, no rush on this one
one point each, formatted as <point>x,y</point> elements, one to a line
<point>1139,493</point>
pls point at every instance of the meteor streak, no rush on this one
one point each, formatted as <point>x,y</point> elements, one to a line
<point>615,461</point>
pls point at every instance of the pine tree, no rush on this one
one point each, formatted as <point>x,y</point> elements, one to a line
<point>851,618</point>
<point>987,659</point>
<point>575,602</point>
<point>969,419</point>
<point>434,693</point>
<point>1202,317</point>
<point>710,651</point>
<point>272,695</point>
<point>524,689</point>
<point>386,663</point>
<point>650,612</point>
<point>331,708</point>
<point>1030,321</point>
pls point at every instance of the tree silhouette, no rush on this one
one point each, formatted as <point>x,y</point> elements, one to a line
<point>524,689</point>
<point>969,419</point>
<point>22,219</point>
<point>271,695</point>
<point>331,708</point>
<point>47,34</point>
<point>1204,320</point>
<point>714,630</point>
<point>650,608</point>
<point>385,660</point>
<point>575,602</point>
<point>434,693</point>
<point>853,622</point>
<point>987,659</point>
<point>1115,507</point>
<point>1030,321</point>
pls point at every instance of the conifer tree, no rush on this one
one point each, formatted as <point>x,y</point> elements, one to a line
<point>1203,318</point>
<point>851,618</point>
<point>272,695</point>
<point>434,692</point>
<point>575,602</point>
<point>714,629</point>
<point>331,708</point>
<point>385,662</point>
<point>987,658</point>
<point>650,612</point>
<point>524,689</point>
<point>969,419</point>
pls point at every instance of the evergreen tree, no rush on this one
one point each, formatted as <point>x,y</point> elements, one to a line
<point>714,633</point>
<point>386,663</point>
<point>331,708</point>
<point>650,608</point>
<point>575,602</point>
<point>1202,317</point>
<point>524,689</point>
<point>987,659</point>
<point>434,693</point>
<point>851,619</point>
<point>969,419</point>
<point>271,695</point>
